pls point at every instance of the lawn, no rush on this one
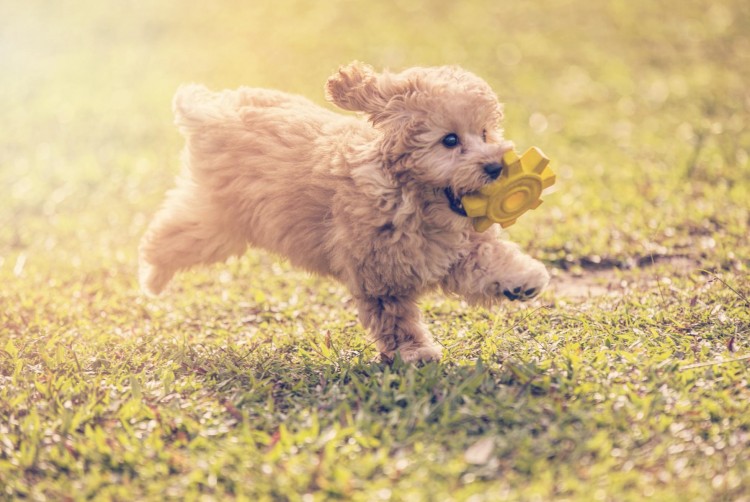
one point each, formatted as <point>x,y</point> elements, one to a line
<point>628,379</point>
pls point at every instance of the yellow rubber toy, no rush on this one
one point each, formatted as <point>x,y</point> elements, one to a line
<point>514,192</point>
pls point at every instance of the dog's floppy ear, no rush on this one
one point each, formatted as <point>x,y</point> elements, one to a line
<point>357,87</point>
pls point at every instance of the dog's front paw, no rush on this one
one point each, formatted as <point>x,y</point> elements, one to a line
<point>520,294</point>
<point>523,286</point>
<point>420,353</point>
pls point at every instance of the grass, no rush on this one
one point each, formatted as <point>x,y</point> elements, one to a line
<point>253,381</point>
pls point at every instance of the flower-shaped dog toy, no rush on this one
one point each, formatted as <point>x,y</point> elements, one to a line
<point>514,192</point>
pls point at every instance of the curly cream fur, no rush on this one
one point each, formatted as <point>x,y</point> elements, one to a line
<point>361,201</point>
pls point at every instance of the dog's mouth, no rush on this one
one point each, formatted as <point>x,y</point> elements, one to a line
<point>454,202</point>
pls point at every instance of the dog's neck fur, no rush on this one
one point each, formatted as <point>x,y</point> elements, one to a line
<point>399,201</point>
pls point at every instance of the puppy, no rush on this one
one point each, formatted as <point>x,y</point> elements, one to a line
<point>373,202</point>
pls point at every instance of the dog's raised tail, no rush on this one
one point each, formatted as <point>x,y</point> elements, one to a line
<point>194,105</point>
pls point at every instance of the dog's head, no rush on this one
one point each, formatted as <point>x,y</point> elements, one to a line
<point>441,126</point>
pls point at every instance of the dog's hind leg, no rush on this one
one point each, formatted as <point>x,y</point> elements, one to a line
<point>395,325</point>
<point>188,230</point>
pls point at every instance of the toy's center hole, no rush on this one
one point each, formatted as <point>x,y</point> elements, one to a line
<point>515,201</point>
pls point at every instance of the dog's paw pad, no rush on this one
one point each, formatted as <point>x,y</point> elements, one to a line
<point>520,294</point>
<point>510,295</point>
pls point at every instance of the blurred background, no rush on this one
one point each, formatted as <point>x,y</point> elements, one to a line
<point>643,107</point>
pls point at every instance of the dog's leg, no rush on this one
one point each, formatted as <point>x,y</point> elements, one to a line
<point>395,325</point>
<point>493,270</point>
<point>187,231</point>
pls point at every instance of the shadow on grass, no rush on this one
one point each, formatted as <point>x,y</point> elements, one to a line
<point>270,387</point>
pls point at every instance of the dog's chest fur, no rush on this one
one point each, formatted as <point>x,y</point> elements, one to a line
<point>401,247</point>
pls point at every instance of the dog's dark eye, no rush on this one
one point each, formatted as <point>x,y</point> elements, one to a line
<point>484,135</point>
<point>450,140</point>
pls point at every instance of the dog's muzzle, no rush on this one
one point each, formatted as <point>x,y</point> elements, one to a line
<point>455,202</point>
<point>492,170</point>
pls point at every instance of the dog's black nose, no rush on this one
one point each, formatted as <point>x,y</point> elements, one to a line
<point>493,170</point>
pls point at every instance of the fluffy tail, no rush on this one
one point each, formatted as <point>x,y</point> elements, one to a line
<point>194,105</point>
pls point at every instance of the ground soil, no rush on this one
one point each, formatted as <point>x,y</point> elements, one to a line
<point>589,282</point>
